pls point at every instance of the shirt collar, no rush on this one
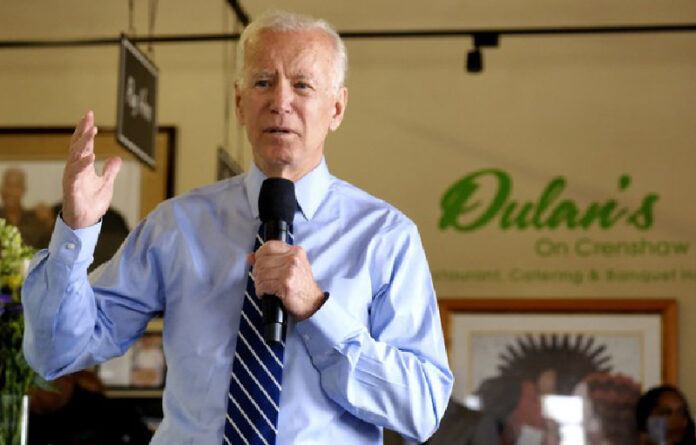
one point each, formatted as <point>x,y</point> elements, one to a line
<point>310,190</point>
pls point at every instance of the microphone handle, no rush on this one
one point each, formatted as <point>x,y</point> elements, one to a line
<point>275,318</point>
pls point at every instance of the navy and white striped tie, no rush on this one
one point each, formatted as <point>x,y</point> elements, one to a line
<point>257,375</point>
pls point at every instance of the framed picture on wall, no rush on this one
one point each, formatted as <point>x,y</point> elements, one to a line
<point>141,368</point>
<point>559,371</point>
<point>31,170</point>
<point>226,165</point>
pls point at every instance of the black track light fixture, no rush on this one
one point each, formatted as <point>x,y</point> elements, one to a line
<point>474,58</point>
<point>474,61</point>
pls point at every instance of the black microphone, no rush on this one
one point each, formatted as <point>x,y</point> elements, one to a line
<point>277,211</point>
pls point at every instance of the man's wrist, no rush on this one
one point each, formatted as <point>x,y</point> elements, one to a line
<point>318,303</point>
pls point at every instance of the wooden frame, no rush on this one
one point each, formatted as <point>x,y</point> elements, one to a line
<point>18,144</point>
<point>31,169</point>
<point>129,366</point>
<point>22,146</point>
<point>665,308</point>
<point>559,369</point>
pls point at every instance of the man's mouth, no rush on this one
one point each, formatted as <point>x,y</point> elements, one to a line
<point>278,130</point>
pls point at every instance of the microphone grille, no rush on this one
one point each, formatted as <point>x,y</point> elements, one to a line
<point>277,200</point>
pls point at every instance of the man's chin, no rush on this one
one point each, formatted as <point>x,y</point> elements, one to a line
<point>274,161</point>
<point>280,155</point>
<point>284,165</point>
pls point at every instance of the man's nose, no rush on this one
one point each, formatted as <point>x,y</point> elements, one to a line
<point>282,96</point>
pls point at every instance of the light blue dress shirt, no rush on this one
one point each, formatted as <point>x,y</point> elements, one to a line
<point>373,356</point>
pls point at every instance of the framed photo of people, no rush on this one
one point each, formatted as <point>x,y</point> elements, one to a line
<point>31,169</point>
<point>141,371</point>
<point>564,371</point>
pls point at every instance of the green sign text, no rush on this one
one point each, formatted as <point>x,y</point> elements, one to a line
<point>465,211</point>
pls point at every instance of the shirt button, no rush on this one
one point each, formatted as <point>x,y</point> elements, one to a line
<point>70,246</point>
<point>306,337</point>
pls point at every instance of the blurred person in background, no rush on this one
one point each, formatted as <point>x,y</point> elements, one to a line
<point>664,418</point>
<point>35,224</point>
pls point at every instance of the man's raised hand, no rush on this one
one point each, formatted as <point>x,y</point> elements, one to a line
<point>86,195</point>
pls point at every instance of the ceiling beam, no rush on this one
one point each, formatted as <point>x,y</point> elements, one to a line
<point>376,34</point>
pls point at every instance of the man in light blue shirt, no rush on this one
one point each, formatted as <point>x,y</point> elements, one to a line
<point>369,356</point>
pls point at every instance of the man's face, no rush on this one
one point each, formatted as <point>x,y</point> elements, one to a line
<point>287,102</point>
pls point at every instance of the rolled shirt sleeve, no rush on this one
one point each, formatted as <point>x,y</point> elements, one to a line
<point>394,374</point>
<point>67,327</point>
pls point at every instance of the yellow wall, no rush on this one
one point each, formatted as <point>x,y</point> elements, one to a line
<point>585,107</point>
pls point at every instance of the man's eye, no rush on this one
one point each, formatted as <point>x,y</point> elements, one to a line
<point>262,83</point>
<point>302,85</point>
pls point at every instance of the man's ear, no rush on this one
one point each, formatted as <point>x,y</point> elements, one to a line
<point>339,108</point>
<point>237,103</point>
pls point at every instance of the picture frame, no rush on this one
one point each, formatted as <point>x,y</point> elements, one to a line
<point>141,371</point>
<point>37,156</point>
<point>40,153</point>
<point>226,165</point>
<point>541,367</point>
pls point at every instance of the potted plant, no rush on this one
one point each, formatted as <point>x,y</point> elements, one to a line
<point>15,374</point>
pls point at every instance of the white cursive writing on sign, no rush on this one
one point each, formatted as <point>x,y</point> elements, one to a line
<point>137,102</point>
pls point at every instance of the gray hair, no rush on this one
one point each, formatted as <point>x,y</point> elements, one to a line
<point>283,21</point>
